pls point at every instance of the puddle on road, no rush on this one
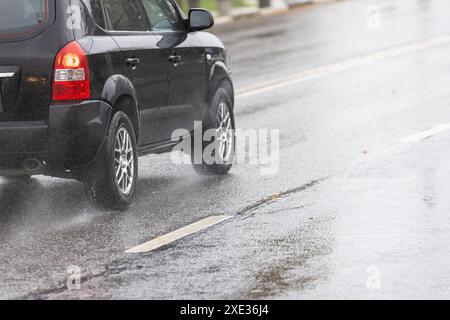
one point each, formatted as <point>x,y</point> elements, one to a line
<point>295,264</point>
<point>269,34</point>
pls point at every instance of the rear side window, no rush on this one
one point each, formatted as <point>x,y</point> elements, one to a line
<point>22,18</point>
<point>126,15</point>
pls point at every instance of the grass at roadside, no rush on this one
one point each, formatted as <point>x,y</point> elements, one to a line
<point>212,4</point>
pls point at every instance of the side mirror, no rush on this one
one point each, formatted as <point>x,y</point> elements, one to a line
<point>200,19</point>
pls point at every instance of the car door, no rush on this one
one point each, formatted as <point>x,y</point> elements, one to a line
<point>145,64</point>
<point>186,61</point>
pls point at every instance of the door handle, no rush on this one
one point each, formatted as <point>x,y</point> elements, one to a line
<point>174,58</point>
<point>133,62</point>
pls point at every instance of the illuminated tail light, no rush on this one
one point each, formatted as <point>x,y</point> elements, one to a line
<point>71,74</point>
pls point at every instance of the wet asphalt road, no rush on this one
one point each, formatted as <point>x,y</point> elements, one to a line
<point>356,210</point>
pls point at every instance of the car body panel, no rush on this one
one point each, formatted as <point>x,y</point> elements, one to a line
<point>76,132</point>
<point>149,78</point>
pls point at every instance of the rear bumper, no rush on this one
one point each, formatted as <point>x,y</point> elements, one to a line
<point>69,140</point>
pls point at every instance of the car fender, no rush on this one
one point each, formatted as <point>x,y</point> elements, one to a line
<point>118,86</point>
<point>219,73</point>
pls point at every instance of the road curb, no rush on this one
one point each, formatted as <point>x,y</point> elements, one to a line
<point>277,9</point>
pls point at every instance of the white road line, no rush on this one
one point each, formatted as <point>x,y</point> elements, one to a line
<point>178,234</point>
<point>427,133</point>
<point>343,65</point>
<point>6,75</point>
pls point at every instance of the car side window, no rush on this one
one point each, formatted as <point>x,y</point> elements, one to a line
<point>163,15</point>
<point>126,15</point>
<point>97,12</point>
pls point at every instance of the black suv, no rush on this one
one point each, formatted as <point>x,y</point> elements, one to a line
<point>87,86</point>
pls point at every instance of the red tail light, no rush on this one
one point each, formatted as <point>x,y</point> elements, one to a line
<point>71,74</point>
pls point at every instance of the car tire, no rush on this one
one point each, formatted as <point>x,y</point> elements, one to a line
<point>111,181</point>
<point>221,108</point>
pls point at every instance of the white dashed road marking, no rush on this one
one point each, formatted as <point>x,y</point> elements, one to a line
<point>427,133</point>
<point>178,234</point>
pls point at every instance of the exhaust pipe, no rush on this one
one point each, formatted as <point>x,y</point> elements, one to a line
<point>33,165</point>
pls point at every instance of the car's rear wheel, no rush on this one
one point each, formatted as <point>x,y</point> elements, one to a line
<point>112,181</point>
<point>221,119</point>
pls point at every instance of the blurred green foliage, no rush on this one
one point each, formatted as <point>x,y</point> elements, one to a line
<point>211,4</point>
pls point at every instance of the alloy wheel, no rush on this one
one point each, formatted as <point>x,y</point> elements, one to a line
<point>224,133</point>
<point>124,161</point>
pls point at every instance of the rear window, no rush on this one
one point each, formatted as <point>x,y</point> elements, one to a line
<point>22,18</point>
